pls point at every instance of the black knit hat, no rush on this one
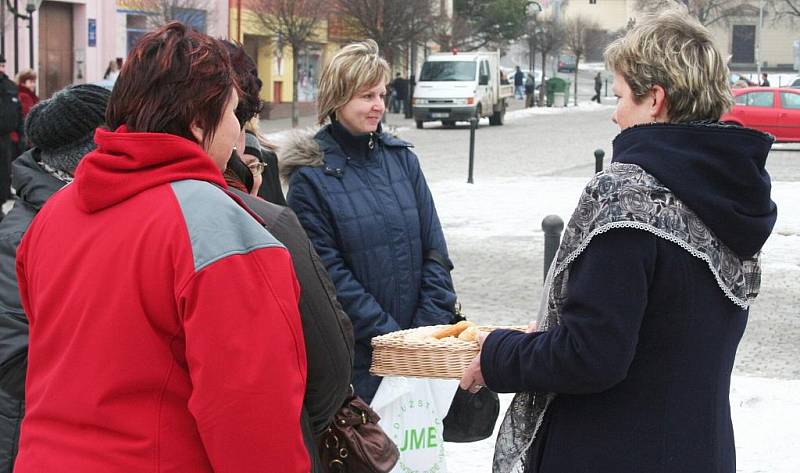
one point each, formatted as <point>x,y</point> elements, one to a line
<point>62,127</point>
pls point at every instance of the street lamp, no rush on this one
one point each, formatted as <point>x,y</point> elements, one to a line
<point>30,7</point>
<point>532,10</point>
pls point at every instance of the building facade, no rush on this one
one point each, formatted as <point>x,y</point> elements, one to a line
<point>747,37</point>
<point>75,40</point>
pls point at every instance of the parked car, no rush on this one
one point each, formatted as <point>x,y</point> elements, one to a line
<point>567,63</point>
<point>770,109</point>
<point>796,84</point>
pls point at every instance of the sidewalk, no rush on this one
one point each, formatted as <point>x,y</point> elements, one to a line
<point>393,120</point>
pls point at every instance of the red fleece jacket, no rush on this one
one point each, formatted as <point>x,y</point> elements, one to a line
<point>143,356</point>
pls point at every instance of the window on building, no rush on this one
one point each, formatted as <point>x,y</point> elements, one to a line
<point>135,28</point>
<point>194,17</point>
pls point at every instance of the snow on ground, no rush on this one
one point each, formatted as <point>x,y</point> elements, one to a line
<point>765,411</point>
<point>764,415</point>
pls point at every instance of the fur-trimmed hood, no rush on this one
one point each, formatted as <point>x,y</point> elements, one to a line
<point>298,149</point>
<point>309,147</point>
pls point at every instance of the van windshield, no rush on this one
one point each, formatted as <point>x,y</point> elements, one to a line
<point>438,71</point>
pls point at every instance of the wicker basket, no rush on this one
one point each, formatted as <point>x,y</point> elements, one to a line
<point>414,353</point>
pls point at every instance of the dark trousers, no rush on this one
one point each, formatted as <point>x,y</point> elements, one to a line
<point>7,154</point>
<point>596,97</point>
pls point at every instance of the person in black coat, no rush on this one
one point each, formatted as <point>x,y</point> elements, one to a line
<point>327,330</point>
<point>38,174</point>
<point>598,86</point>
<point>628,367</point>
<point>11,123</point>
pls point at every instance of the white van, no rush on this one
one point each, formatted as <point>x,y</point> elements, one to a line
<point>458,86</point>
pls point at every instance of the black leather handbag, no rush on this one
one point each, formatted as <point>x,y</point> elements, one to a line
<point>471,417</point>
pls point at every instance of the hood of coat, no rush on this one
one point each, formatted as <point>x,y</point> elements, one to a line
<point>311,146</point>
<point>126,163</point>
<point>34,185</point>
<point>716,170</point>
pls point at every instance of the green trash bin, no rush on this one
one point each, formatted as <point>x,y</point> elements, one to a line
<point>557,85</point>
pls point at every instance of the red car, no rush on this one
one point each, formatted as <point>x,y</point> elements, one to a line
<point>769,109</point>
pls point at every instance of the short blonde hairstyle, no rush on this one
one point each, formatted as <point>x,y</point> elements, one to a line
<point>355,67</point>
<point>675,51</point>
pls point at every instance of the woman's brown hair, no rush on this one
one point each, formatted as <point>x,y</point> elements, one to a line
<point>174,78</point>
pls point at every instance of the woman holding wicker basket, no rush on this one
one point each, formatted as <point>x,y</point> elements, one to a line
<point>649,293</point>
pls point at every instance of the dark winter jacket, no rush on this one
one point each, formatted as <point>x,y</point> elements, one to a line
<point>34,186</point>
<point>11,118</point>
<point>519,78</point>
<point>327,330</point>
<point>642,358</point>
<point>371,217</point>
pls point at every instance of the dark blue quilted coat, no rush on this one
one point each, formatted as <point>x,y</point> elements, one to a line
<point>371,217</point>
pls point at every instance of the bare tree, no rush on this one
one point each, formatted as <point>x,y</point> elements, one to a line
<point>707,12</point>
<point>576,39</point>
<point>393,24</point>
<point>293,22</point>
<point>194,13</point>
<point>549,38</point>
<point>786,9</point>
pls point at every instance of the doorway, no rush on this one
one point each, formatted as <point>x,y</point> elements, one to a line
<point>55,47</point>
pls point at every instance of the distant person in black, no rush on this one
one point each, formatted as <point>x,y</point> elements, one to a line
<point>11,122</point>
<point>764,80</point>
<point>400,85</point>
<point>519,84</point>
<point>598,86</point>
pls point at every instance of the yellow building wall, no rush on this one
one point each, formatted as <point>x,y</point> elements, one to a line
<point>271,69</point>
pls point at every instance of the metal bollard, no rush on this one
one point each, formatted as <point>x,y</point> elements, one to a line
<point>552,225</point>
<point>473,124</point>
<point>606,87</point>
<point>598,160</point>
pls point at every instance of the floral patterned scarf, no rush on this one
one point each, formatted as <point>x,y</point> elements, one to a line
<point>625,196</point>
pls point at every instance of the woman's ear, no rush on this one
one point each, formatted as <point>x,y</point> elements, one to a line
<point>658,106</point>
<point>197,132</point>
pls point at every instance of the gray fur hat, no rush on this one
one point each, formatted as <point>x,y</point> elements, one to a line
<point>62,127</point>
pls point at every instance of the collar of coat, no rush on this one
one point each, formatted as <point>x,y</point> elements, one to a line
<point>624,196</point>
<point>316,147</point>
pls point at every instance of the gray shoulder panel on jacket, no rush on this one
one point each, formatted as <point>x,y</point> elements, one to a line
<point>217,225</point>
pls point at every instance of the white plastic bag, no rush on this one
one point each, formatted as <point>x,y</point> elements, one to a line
<point>411,411</point>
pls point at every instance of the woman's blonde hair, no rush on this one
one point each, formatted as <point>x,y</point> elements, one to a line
<point>675,51</point>
<point>353,68</point>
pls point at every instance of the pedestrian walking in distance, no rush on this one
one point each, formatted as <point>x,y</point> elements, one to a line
<point>519,84</point>
<point>627,368</point>
<point>598,86</point>
<point>164,327</point>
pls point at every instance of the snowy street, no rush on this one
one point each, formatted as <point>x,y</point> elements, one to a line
<point>537,165</point>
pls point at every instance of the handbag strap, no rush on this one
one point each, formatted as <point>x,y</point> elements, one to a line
<point>434,255</point>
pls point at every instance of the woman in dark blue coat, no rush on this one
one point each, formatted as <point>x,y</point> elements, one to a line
<point>362,198</point>
<point>629,369</point>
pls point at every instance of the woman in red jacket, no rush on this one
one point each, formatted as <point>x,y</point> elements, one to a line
<point>144,356</point>
<point>26,83</point>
